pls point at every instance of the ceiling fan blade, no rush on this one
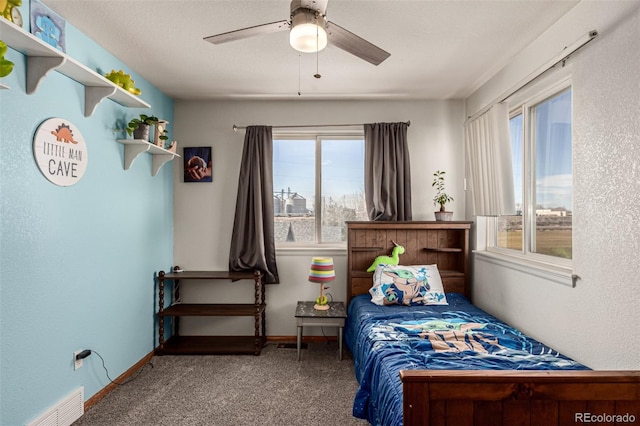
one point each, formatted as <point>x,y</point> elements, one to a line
<point>349,42</point>
<point>273,27</point>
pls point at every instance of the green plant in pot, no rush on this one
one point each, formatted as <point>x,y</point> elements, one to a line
<point>139,127</point>
<point>441,198</point>
<point>161,136</point>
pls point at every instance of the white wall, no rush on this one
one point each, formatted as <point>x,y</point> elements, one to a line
<point>204,211</point>
<point>596,322</point>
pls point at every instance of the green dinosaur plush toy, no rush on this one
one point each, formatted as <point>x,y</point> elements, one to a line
<point>123,80</point>
<point>394,259</point>
<point>6,66</point>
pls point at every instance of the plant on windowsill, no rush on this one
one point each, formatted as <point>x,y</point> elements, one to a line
<point>139,127</point>
<point>441,198</point>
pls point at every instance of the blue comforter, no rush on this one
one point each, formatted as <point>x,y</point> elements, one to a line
<point>460,336</point>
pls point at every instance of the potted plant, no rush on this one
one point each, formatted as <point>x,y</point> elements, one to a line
<point>160,136</point>
<point>139,127</point>
<point>441,197</point>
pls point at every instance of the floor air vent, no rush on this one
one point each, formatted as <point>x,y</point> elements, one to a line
<point>65,412</point>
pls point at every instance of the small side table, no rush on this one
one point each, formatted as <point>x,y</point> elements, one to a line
<point>332,317</point>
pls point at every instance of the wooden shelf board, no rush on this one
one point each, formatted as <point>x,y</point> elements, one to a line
<point>451,273</point>
<point>211,345</point>
<point>202,309</point>
<point>209,275</point>
<point>443,249</point>
<point>412,224</point>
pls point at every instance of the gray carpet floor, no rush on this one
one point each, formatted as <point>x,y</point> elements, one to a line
<point>270,389</point>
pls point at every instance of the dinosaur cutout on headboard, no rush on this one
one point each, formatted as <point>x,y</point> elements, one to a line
<point>394,259</point>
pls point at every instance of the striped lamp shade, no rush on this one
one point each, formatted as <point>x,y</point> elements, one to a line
<point>322,270</point>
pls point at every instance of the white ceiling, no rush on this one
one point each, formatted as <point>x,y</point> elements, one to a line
<point>440,49</point>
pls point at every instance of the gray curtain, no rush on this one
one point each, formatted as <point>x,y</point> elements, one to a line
<point>253,242</point>
<point>387,174</point>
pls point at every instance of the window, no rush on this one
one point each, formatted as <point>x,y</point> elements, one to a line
<point>542,174</point>
<point>318,184</point>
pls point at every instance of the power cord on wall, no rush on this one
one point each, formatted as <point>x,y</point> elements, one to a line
<point>329,294</point>
<point>87,352</point>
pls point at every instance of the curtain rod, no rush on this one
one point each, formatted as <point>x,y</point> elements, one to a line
<point>236,128</point>
<point>560,58</point>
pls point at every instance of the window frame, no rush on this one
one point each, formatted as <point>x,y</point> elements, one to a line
<point>550,267</point>
<point>317,136</point>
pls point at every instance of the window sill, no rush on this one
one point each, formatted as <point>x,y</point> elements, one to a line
<point>560,274</point>
<point>314,250</point>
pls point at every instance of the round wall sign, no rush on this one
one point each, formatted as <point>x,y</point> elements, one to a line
<point>60,151</point>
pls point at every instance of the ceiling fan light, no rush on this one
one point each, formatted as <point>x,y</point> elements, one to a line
<point>307,32</point>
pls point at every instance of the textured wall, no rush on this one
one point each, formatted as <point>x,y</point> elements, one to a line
<point>607,193</point>
<point>596,322</point>
<point>435,142</point>
<point>77,263</point>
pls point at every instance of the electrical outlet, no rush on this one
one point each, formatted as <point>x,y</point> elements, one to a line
<point>77,363</point>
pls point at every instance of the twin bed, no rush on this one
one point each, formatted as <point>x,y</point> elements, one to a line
<point>454,364</point>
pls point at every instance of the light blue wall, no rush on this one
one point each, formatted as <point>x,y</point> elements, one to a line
<point>77,263</point>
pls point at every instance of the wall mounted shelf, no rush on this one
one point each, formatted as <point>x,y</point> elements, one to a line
<point>42,58</point>
<point>134,147</point>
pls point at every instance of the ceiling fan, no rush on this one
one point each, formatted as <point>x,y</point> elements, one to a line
<point>310,32</point>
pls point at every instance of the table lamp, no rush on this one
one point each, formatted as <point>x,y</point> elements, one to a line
<point>321,272</point>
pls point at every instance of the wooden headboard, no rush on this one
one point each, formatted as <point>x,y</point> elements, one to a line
<point>445,244</point>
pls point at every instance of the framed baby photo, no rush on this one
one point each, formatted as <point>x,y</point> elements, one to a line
<point>197,164</point>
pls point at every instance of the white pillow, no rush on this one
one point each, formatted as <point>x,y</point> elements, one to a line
<point>407,285</point>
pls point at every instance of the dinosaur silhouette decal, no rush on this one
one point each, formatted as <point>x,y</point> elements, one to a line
<point>64,134</point>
